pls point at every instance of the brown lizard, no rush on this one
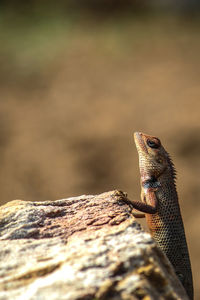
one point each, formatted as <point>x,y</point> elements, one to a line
<point>160,205</point>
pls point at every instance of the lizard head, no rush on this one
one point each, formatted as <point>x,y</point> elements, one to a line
<point>153,159</point>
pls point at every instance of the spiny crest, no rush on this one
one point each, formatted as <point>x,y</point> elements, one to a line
<point>172,167</point>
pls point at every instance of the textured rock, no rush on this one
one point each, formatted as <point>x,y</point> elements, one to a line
<point>86,247</point>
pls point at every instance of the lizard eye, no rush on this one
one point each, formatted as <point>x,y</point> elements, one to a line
<point>153,144</point>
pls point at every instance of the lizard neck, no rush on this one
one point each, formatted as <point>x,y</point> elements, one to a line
<point>167,188</point>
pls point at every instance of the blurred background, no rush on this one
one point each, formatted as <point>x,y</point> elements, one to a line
<point>77,78</point>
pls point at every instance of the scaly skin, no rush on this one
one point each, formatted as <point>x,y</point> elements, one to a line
<point>161,207</point>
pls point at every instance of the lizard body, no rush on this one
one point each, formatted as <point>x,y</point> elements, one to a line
<point>160,205</point>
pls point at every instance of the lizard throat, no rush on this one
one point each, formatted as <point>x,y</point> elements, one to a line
<point>151,183</point>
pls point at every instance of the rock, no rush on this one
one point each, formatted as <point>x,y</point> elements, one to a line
<point>87,247</point>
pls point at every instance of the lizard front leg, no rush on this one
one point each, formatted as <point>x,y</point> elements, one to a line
<point>148,205</point>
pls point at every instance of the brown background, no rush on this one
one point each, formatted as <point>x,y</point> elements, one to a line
<point>74,87</point>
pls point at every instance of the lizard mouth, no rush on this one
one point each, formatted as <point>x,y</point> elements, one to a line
<point>139,142</point>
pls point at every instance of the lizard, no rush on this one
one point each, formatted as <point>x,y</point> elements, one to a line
<point>159,205</point>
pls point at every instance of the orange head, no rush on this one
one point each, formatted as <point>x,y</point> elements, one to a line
<point>153,159</point>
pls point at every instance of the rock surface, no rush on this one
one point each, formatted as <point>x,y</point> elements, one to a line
<point>87,247</point>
